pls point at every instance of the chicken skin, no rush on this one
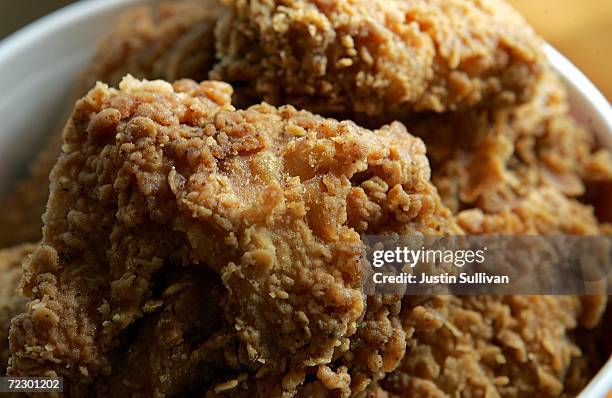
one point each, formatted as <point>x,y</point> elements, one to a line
<point>490,158</point>
<point>517,169</point>
<point>200,242</point>
<point>379,58</point>
<point>156,178</point>
<point>488,346</point>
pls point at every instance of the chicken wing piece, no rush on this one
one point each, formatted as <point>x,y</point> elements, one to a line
<point>382,57</point>
<point>170,41</point>
<point>11,304</point>
<point>158,178</point>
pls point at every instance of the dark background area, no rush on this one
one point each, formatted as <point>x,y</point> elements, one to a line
<point>15,14</point>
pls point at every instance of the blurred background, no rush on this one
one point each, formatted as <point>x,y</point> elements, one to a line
<point>582,30</point>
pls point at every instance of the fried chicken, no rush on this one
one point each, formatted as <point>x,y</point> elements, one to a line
<point>11,304</point>
<point>194,249</point>
<point>491,158</point>
<point>487,346</point>
<point>509,170</point>
<point>170,41</point>
<point>496,162</point>
<point>517,169</point>
<point>382,58</point>
<point>177,348</point>
<point>158,179</point>
<point>511,346</point>
<point>543,211</point>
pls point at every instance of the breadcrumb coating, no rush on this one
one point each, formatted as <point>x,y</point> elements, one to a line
<point>488,346</point>
<point>194,249</point>
<point>519,169</point>
<point>11,303</point>
<point>516,173</point>
<point>158,178</point>
<point>491,158</point>
<point>543,211</point>
<point>378,57</point>
<point>179,346</point>
<point>170,41</point>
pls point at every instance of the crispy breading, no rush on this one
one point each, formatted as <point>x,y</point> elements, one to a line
<point>542,211</point>
<point>378,57</point>
<point>169,41</point>
<point>11,304</point>
<point>194,249</point>
<point>157,178</point>
<point>512,170</point>
<point>490,159</point>
<point>518,169</point>
<point>488,346</point>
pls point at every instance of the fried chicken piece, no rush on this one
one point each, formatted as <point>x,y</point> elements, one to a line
<point>518,169</point>
<point>11,304</point>
<point>543,211</point>
<point>170,41</point>
<point>512,346</point>
<point>159,179</point>
<point>491,159</point>
<point>530,161</point>
<point>382,58</point>
<point>526,165</point>
<point>487,346</point>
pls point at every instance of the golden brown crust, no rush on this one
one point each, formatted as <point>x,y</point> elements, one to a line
<point>515,346</point>
<point>517,169</point>
<point>11,304</point>
<point>178,348</point>
<point>170,41</point>
<point>542,211</point>
<point>491,158</point>
<point>381,58</point>
<point>157,177</point>
<point>508,170</point>
<point>194,249</point>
